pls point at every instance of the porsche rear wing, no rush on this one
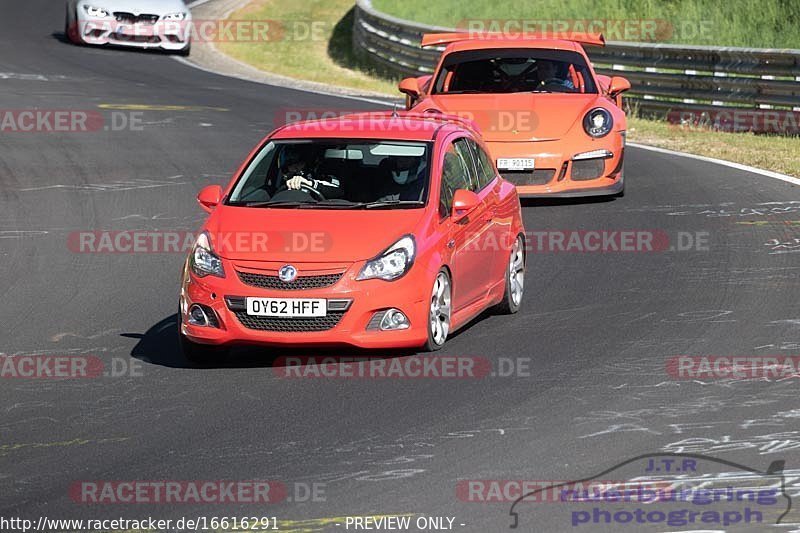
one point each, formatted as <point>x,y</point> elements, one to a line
<point>436,39</point>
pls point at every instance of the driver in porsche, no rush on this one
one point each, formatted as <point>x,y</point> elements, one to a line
<point>297,172</point>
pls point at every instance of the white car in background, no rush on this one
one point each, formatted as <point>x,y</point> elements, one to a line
<point>164,24</point>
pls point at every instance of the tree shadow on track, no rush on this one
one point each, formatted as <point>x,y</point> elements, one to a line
<point>159,346</point>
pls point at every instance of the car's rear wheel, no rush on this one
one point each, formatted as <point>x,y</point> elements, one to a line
<point>71,24</point>
<point>439,312</point>
<point>515,279</point>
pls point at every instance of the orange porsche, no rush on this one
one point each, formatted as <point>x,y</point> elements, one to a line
<point>553,126</point>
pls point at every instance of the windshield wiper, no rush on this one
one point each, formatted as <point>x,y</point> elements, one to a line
<point>333,204</point>
<point>270,203</point>
<point>390,204</point>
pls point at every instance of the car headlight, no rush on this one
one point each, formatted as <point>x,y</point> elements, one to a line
<point>97,12</point>
<point>204,261</point>
<point>174,16</point>
<point>392,263</point>
<point>598,122</point>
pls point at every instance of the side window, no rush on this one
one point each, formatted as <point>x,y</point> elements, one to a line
<point>486,172</point>
<point>464,152</point>
<point>456,174</point>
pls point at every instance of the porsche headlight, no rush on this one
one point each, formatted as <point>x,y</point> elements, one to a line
<point>204,261</point>
<point>96,12</point>
<point>174,16</point>
<point>392,263</point>
<point>598,122</point>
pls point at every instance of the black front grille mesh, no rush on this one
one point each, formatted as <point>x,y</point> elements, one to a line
<point>263,281</point>
<point>130,18</point>
<point>269,323</point>
<point>540,176</point>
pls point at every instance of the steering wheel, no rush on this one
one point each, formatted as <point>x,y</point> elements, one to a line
<point>311,191</point>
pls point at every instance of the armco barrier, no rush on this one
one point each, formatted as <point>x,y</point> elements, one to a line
<point>748,89</point>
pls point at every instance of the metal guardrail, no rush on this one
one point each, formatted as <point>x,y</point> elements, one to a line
<point>756,89</point>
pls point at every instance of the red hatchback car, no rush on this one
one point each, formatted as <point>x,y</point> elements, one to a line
<point>377,230</point>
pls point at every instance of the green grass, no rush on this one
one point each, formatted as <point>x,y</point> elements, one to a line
<point>315,45</point>
<point>330,59</point>
<point>762,24</point>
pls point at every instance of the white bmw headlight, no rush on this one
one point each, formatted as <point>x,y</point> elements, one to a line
<point>204,261</point>
<point>94,11</point>
<point>598,122</point>
<point>392,263</point>
<point>174,16</point>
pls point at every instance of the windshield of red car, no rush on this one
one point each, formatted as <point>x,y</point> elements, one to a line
<point>503,70</point>
<point>336,174</point>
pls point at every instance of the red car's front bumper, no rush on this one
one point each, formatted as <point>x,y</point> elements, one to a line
<point>363,299</point>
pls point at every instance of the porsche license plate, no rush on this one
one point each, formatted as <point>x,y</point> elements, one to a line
<point>515,163</point>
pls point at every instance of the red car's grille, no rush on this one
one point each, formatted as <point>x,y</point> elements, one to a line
<point>265,323</point>
<point>264,281</point>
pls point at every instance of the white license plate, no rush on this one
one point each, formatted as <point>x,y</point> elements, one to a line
<point>287,307</point>
<point>515,163</point>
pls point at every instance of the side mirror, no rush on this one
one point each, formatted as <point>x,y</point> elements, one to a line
<point>209,197</point>
<point>410,86</point>
<point>414,89</point>
<point>464,202</point>
<point>617,86</point>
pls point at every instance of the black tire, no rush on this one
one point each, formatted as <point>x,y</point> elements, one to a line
<point>201,354</point>
<point>436,339</point>
<point>510,303</point>
<point>71,24</point>
<point>186,50</point>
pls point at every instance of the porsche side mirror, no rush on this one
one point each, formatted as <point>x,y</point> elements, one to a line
<point>617,86</point>
<point>209,197</point>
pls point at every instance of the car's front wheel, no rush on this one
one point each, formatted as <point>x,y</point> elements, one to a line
<point>186,50</point>
<point>71,25</point>
<point>440,311</point>
<point>515,279</point>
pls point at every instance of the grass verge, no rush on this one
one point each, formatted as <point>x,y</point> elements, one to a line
<point>326,56</point>
<point>763,24</point>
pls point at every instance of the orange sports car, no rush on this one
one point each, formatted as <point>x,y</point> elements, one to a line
<point>553,126</point>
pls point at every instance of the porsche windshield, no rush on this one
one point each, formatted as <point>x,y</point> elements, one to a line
<point>346,174</point>
<point>504,70</point>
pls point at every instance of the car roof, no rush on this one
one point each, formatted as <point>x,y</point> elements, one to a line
<point>377,125</point>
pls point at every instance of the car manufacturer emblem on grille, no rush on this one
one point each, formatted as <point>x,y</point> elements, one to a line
<point>287,273</point>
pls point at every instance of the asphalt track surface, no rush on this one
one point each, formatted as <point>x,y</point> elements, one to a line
<point>597,328</point>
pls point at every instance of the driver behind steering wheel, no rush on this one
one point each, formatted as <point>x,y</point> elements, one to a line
<point>548,75</point>
<point>297,173</point>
